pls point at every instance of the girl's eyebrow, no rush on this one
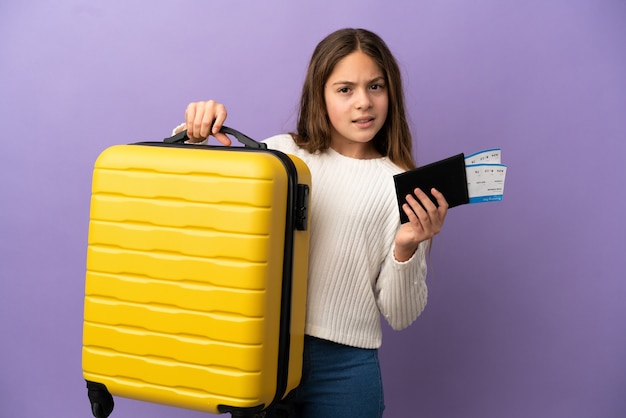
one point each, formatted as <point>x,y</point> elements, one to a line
<point>352,83</point>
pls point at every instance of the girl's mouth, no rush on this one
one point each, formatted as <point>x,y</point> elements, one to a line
<point>364,122</point>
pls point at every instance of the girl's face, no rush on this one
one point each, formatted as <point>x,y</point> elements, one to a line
<point>356,102</point>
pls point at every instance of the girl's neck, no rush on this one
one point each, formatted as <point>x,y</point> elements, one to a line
<point>357,151</point>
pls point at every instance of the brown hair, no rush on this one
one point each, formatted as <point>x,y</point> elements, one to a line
<point>313,127</point>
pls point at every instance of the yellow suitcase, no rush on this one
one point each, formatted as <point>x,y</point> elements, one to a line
<point>196,276</point>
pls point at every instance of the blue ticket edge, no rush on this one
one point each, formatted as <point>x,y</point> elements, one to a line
<point>490,198</point>
<point>467,157</point>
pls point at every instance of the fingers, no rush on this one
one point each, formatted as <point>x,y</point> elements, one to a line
<point>190,116</point>
<point>442,203</point>
<point>220,117</point>
<point>204,121</point>
<point>422,205</point>
<point>410,213</point>
<point>223,138</point>
<point>423,214</point>
<point>206,118</point>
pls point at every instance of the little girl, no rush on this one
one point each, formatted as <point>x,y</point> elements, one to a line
<point>353,135</point>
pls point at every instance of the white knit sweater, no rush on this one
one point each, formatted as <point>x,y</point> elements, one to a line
<point>353,275</point>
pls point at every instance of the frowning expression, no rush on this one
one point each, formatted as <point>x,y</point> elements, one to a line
<point>357,102</point>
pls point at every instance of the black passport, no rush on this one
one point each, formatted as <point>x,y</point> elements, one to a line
<point>448,176</point>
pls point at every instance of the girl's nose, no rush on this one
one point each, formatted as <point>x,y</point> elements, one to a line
<point>363,100</point>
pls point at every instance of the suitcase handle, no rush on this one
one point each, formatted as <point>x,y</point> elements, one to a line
<point>244,139</point>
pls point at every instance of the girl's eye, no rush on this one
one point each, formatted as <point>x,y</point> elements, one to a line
<point>376,86</point>
<point>344,90</point>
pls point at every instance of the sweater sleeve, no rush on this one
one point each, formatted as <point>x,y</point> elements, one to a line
<point>401,288</point>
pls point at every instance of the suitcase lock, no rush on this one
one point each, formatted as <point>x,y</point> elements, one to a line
<point>302,207</point>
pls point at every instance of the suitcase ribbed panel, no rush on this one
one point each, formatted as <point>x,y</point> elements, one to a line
<point>184,272</point>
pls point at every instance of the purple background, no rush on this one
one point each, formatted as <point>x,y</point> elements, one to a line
<point>527,309</point>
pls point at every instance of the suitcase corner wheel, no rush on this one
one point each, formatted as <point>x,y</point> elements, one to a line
<point>101,400</point>
<point>243,412</point>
